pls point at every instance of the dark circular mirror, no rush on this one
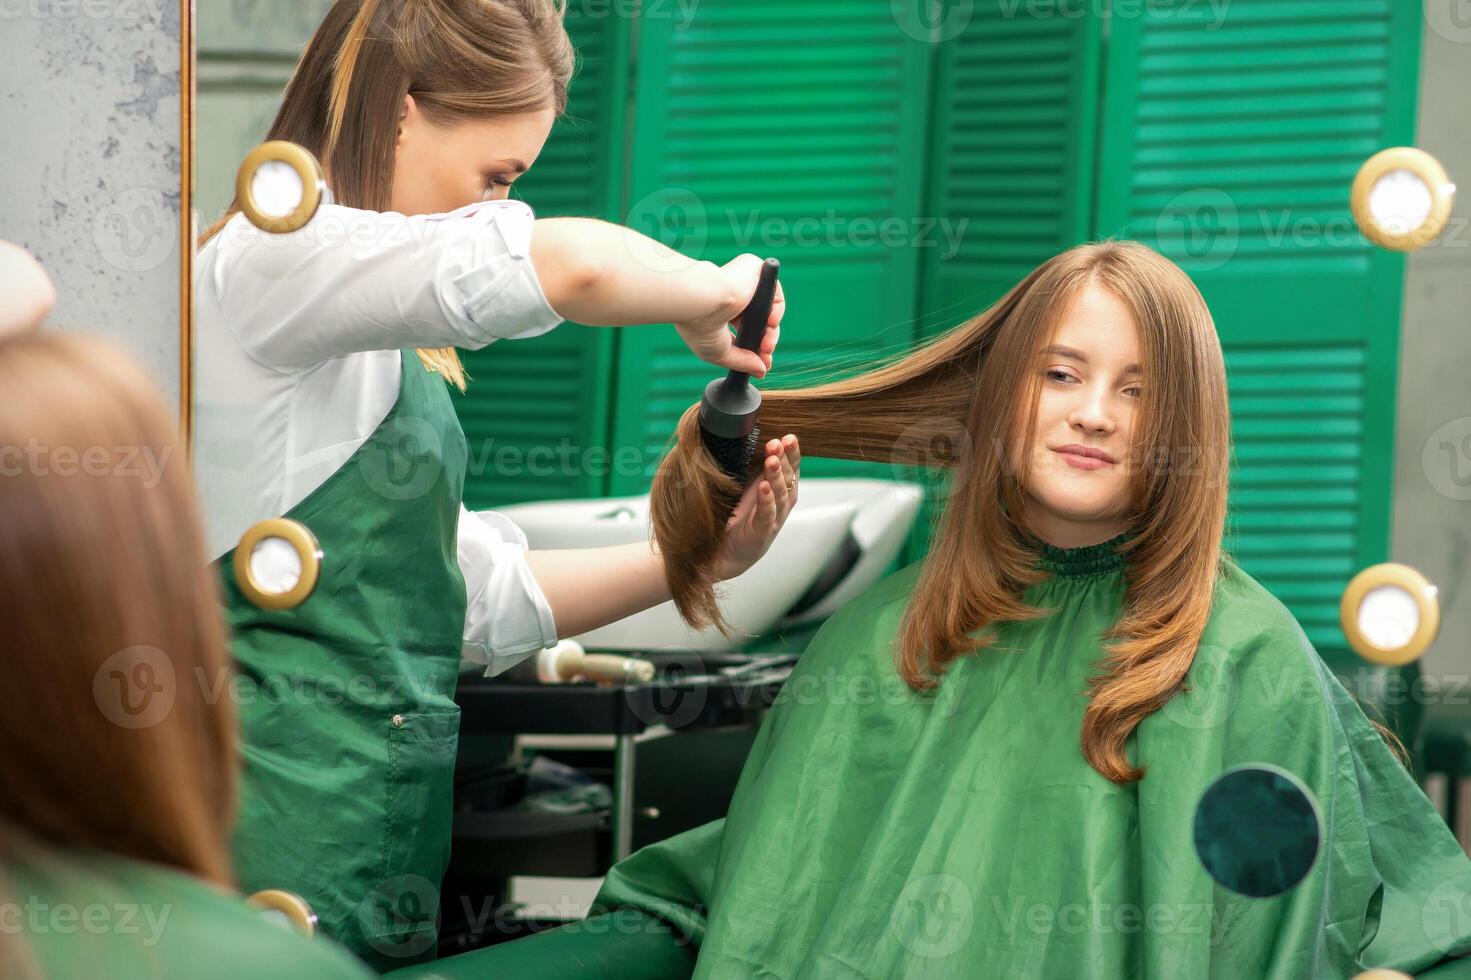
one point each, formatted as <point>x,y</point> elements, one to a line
<point>1257,831</point>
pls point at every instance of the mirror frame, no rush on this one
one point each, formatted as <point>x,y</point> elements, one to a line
<point>187,222</point>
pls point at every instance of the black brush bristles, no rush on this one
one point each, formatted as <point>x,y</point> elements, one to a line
<point>733,456</point>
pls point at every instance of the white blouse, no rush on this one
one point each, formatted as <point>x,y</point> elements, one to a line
<point>297,341</point>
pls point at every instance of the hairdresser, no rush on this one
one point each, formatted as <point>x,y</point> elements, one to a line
<point>324,366</point>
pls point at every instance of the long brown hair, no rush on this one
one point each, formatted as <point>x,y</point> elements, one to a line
<point>116,731</point>
<point>459,59</point>
<point>954,404</point>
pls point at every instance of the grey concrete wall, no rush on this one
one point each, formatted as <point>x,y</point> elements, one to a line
<point>89,164</point>
<point>1432,486</point>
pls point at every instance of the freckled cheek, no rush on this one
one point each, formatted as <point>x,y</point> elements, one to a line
<point>1051,418</point>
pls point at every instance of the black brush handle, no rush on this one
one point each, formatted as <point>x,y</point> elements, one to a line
<point>730,406</point>
<point>757,312</point>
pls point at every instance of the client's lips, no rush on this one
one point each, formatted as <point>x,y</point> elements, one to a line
<point>1085,457</point>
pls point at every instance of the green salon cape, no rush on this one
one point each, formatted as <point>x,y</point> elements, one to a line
<point>880,832</point>
<point>83,914</point>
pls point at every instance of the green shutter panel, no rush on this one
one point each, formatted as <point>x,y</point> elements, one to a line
<point>1011,165</point>
<point>788,130</point>
<point>537,411</point>
<point>1230,146</point>
<point>1012,151</point>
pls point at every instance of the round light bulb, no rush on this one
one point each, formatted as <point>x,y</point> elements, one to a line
<point>1389,616</point>
<point>275,565</point>
<point>277,188</point>
<point>1400,201</point>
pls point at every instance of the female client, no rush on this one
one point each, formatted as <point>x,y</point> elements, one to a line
<point>988,765</point>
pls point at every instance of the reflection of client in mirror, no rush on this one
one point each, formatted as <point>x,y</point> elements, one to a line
<point>988,764</point>
<point>422,115</point>
<point>119,783</point>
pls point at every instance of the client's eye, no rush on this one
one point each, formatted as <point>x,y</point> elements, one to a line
<point>1057,374</point>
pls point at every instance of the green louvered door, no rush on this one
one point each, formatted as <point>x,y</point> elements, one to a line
<point>537,411</point>
<point>1012,147</point>
<point>1014,121</point>
<point>1230,146</point>
<point>794,130</point>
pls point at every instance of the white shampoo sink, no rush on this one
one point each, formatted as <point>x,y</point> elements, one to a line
<point>839,539</point>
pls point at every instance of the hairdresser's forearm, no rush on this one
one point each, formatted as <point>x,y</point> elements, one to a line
<point>592,587</point>
<point>602,274</point>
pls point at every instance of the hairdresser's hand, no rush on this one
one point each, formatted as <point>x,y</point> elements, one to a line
<point>763,509</point>
<point>709,336</point>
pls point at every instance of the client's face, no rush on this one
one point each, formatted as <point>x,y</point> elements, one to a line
<point>1089,397</point>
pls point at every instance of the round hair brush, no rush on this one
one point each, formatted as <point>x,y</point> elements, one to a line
<point>731,404</point>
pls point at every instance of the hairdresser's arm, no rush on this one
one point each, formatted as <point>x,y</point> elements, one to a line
<point>592,587</point>
<point>26,294</point>
<point>602,274</point>
<point>367,280</point>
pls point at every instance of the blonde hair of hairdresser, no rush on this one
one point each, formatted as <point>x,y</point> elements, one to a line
<point>459,59</point>
<point>980,380</point>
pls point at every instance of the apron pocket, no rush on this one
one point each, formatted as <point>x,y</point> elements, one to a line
<point>399,916</point>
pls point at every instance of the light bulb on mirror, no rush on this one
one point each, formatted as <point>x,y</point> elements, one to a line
<point>1401,198</point>
<point>276,188</point>
<point>280,187</point>
<point>277,563</point>
<point>1390,614</point>
<point>285,909</point>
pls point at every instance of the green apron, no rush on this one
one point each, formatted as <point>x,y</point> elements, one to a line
<point>347,701</point>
